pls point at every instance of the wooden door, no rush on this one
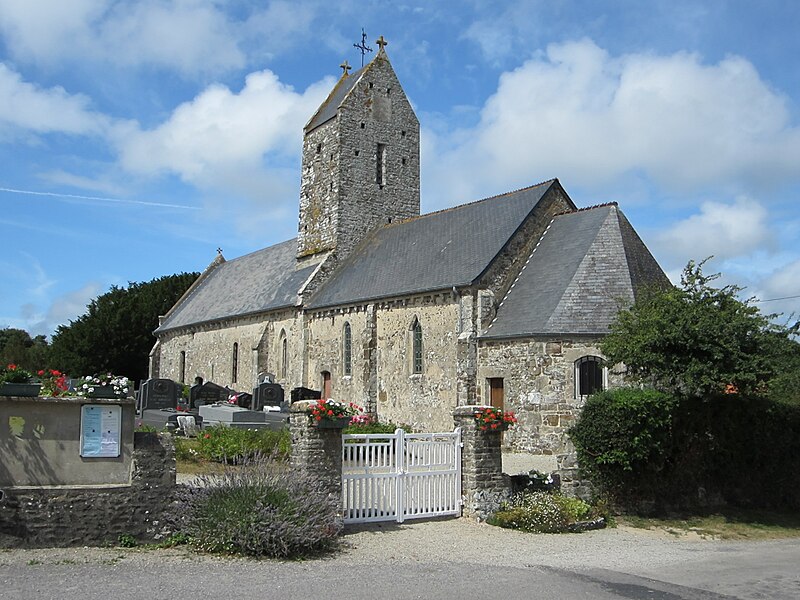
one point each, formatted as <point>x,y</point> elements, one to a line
<point>326,384</point>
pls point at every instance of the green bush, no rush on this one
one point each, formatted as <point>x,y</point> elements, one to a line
<point>654,453</point>
<point>541,512</point>
<point>229,444</point>
<point>376,427</point>
<point>259,509</point>
<point>623,434</point>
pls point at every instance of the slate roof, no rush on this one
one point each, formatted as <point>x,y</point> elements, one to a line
<point>431,252</point>
<point>330,107</point>
<point>585,264</point>
<point>258,282</point>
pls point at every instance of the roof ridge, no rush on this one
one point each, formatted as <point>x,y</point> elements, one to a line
<point>457,206</point>
<point>586,208</point>
<point>521,271</point>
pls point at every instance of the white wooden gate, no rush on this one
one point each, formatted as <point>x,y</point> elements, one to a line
<point>393,477</point>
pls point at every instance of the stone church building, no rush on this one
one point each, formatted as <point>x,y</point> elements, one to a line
<point>500,301</point>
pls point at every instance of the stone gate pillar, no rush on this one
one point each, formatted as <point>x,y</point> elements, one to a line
<point>483,485</point>
<point>316,451</point>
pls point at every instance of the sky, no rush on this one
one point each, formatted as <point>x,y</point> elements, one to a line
<point>137,137</point>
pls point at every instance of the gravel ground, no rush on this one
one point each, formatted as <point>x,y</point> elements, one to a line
<point>739,569</point>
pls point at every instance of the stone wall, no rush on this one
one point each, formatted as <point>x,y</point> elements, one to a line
<point>426,400</point>
<point>326,353</point>
<point>60,516</point>
<point>483,486</point>
<point>316,451</point>
<point>539,386</point>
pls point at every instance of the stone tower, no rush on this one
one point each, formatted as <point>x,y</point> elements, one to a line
<point>360,161</point>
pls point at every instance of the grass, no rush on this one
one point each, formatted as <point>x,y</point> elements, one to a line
<point>730,524</point>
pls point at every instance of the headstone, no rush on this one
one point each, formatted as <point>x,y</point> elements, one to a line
<point>268,394</point>
<point>159,394</point>
<point>209,393</point>
<point>303,393</point>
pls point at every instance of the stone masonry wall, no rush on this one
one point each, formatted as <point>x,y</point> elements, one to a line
<point>539,386</point>
<point>425,401</point>
<point>483,486</point>
<point>316,451</point>
<point>209,351</point>
<point>326,353</point>
<point>62,516</point>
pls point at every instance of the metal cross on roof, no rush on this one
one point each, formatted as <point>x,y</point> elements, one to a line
<point>219,250</point>
<point>363,46</point>
<point>345,66</point>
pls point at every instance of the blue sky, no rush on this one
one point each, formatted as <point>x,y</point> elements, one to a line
<point>137,137</point>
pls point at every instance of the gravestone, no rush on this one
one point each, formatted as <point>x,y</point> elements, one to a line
<point>209,393</point>
<point>268,394</point>
<point>157,394</point>
<point>304,393</point>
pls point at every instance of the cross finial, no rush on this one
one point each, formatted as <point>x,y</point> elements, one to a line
<point>381,42</point>
<point>363,46</point>
<point>345,67</point>
<point>219,251</point>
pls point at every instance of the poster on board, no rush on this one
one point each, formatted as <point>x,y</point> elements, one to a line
<point>100,431</point>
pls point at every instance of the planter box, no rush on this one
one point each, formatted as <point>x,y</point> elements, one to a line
<point>339,423</point>
<point>103,391</point>
<point>20,389</point>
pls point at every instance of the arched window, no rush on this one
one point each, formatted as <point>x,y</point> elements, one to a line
<point>589,376</point>
<point>416,347</point>
<point>235,362</point>
<point>347,350</point>
<point>284,349</point>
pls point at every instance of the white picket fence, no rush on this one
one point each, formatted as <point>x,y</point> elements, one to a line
<point>393,477</point>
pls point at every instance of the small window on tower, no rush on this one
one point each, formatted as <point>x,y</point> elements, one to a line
<point>370,85</point>
<point>319,148</point>
<point>403,133</point>
<point>363,125</point>
<point>403,160</point>
<point>380,162</point>
<point>357,152</point>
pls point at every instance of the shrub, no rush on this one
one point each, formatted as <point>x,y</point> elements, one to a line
<point>624,435</point>
<point>541,512</point>
<point>230,444</point>
<point>259,509</point>
<point>373,426</point>
<point>655,453</point>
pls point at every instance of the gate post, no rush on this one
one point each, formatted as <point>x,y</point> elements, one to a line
<point>483,486</point>
<point>316,451</point>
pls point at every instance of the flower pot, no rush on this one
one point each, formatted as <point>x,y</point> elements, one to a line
<point>20,389</point>
<point>102,391</point>
<point>336,423</point>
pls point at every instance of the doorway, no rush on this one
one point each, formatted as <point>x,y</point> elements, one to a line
<point>326,384</point>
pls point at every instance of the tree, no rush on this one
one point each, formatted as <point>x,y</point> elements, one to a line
<point>116,333</point>
<point>698,340</point>
<point>17,346</point>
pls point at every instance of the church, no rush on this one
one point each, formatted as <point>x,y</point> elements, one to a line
<point>501,301</point>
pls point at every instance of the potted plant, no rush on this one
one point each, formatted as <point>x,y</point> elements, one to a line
<point>103,386</point>
<point>331,414</point>
<point>494,419</point>
<point>54,383</point>
<point>15,381</point>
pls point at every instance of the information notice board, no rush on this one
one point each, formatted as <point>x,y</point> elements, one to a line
<point>100,430</point>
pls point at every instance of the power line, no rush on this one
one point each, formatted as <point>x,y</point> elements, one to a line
<point>775,299</point>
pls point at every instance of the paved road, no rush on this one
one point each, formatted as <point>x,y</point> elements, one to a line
<point>436,560</point>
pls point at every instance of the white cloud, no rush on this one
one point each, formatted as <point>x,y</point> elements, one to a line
<point>579,113</point>
<point>223,139</point>
<point>187,35</point>
<point>27,107</point>
<point>722,230</point>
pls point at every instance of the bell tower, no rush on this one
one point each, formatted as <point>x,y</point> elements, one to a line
<point>360,161</point>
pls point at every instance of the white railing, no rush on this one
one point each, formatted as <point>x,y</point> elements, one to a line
<point>393,477</point>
